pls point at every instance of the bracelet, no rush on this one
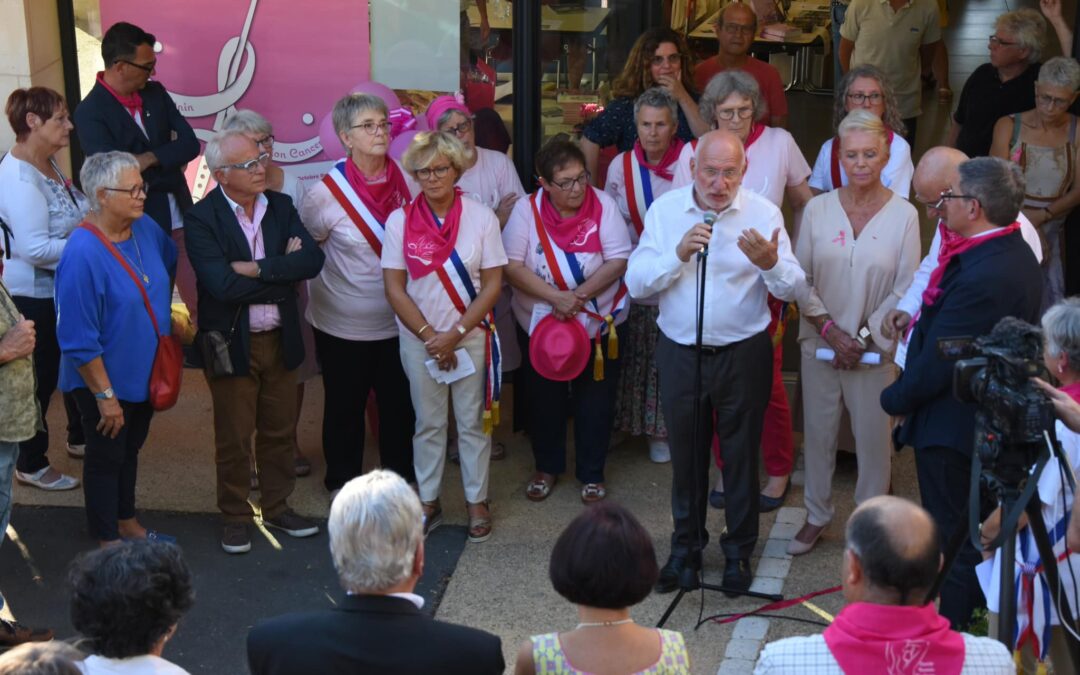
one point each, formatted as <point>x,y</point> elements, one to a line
<point>422,329</point>
<point>826,327</point>
<point>461,329</point>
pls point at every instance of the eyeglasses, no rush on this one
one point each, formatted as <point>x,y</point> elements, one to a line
<point>463,128</point>
<point>995,41</point>
<point>1051,101</point>
<point>570,184</point>
<point>268,139</point>
<point>858,98</point>
<point>948,194</point>
<point>737,29</point>
<point>728,114</point>
<point>373,128</point>
<point>726,174</point>
<point>670,59</point>
<point>252,165</point>
<point>134,190</point>
<point>148,67</point>
<point>428,172</point>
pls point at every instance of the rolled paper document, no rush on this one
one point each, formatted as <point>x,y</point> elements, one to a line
<point>869,358</point>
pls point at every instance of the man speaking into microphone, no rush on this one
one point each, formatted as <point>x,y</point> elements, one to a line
<point>746,254</point>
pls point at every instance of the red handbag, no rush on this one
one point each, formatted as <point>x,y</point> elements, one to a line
<point>169,358</point>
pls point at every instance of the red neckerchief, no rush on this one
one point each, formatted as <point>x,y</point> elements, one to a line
<point>1073,390</point>
<point>870,638</point>
<point>670,157</point>
<point>834,159</point>
<point>580,233</point>
<point>756,130</point>
<point>381,198</point>
<point>133,103</point>
<point>952,245</point>
<point>428,246</point>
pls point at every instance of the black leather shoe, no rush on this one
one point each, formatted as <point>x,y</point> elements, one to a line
<point>669,574</point>
<point>768,503</point>
<point>737,575</point>
<point>717,500</point>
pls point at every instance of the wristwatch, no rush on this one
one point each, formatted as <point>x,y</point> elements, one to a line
<point>105,395</point>
<point>863,337</point>
<point>461,329</point>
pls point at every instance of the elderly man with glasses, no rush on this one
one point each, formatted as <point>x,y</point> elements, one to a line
<point>250,250</point>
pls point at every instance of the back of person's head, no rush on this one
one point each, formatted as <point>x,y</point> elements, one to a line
<point>41,658</point>
<point>376,527</point>
<point>121,41</point>
<point>604,558</point>
<point>897,547</point>
<point>127,598</point>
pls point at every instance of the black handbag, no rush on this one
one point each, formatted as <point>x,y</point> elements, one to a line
<point>214,347</point>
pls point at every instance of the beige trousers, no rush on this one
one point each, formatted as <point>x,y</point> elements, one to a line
<point>824,390</point>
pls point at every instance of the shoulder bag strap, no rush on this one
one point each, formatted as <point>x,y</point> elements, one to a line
<point>93,229</point>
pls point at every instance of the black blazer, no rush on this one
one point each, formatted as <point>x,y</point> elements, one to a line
<point>214,240</point>
<point>374,634</point>
<point>981,286</point>
<point>103,124</point>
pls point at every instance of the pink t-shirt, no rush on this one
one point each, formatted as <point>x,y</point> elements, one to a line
<point>773,164</point>
<point>261,318</point>
<point>767,76</point>
<point>490,179</point>
<point>616,187</point>
<point>523,244</point>
<point>478,245</point>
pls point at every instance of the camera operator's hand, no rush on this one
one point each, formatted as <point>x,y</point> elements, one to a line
<point>895,323</point>
<point>990,528</point>
<point>848,351</point>
<point>1068,410</point>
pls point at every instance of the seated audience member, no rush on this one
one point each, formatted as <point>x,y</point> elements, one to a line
<point>604,563</point>
<point>891,561</point>
<point>127,600</point>
<point>43,658</point>
<point>377,544</point>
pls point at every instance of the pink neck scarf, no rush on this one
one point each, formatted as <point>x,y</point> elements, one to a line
<point>952,245</point>
<point>869,638</point>
<point>669,158</point>
<point>132,102</point>
<point>380,198</point>
<point>580,233</point>
<point>428,246</point>
<point>1073,390</point>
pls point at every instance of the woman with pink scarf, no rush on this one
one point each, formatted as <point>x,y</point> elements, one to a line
<point>567,244</point>
<point>442,267</point>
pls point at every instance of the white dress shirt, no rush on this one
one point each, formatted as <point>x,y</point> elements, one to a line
<point>146,664</point>
<point>735,289</point>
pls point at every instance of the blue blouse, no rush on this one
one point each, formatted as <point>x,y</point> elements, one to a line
<point>100,311</point>
<point>615,126</point>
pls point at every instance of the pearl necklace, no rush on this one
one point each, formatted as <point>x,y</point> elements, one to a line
<point>600,624</point>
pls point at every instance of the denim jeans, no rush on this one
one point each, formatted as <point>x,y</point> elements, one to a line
<point>9,454</point>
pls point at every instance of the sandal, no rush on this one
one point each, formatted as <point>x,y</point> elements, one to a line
<point>540,486</point>
<point>432,515</point>
<point>498,451</point>
<point>593,492</point>
<point>479,525</point>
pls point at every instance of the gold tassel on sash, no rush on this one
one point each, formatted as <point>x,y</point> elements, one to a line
<point>598,362</point>
<point>489,423</point>
<point>495,413</point>
<point>612,338</point>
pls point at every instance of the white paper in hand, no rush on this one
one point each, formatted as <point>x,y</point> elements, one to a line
<point>464,368</point>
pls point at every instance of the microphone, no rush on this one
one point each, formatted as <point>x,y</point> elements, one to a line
<point>710,218</point>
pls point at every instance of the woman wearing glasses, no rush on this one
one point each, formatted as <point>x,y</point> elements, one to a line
<point>107,343</point>
<point>442,267</point>
<point>865,88</point>
<point>355,334</point>
<point>41,207</point>
<point>567,244</point>
<point>776,170</point>
<point>1043,142</point>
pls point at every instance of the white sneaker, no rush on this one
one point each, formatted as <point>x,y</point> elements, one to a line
<point>659,451</point>
<point>76,450</point>
<point>62,482</point>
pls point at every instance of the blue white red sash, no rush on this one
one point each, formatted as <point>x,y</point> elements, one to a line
<point>354,207</point>
<point>566,270</point>
<point>1034,607</point>
<point>458,285</point>
<point>639,193</point>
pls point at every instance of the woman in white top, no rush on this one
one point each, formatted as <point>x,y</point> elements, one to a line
<point>859,246</point>
<point>567,244</point>
<point>126,602</point>
<point>776,170</point>
<point>41,208</point>
<point>442,266</point>
<point>635,178</point>
<point>865,88</point>
<point>356,338</point>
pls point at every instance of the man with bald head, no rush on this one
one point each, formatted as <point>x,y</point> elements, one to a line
<point>745,254</point>
<point>984,272</point>
<point>250,250</point>
<point>930,180</point>
<point>887,626</point>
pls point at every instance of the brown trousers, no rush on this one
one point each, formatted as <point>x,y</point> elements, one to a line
<point>260,404</point>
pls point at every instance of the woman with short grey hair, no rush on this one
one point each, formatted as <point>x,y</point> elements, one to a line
<point>107,342</point>
<point>356,338</point>
<point>722,86</point>
<point>1044,143</point>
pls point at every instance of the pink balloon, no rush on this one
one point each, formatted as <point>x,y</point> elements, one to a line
<point>331,144</point>
<point>421,122</point>
<point>381,90</point>
<point>401,143</point>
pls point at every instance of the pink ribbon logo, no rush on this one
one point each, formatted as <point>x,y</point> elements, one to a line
<point>841,238</point>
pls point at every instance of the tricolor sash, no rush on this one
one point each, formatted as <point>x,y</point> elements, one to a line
<point>354,207</point>
<point>1034,607</point>
<point>639,194</point>
<point>566,270</point>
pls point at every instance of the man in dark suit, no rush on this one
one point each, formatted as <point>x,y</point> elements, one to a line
<point>377,543</point>
<point>250,250</point>
<point>126,111</point>
<point>985,272</point>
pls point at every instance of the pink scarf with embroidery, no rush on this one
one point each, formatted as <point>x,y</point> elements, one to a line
<point>867,638</point>
<point>383,198</point>
<point>580,233</point>
<point>669,158</point>
<point>428,246</point>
